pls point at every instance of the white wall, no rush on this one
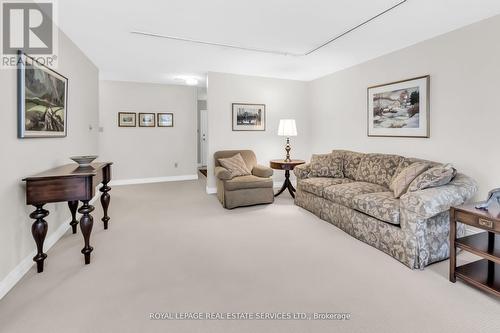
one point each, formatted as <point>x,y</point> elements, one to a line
<point>283,99</point>
<point>23,157</point>
<point>464,66</point>
<point>143,152</point>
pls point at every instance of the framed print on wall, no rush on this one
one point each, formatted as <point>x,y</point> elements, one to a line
<point>249,117</point>
<point>400,109</point>
<point>127,119</point>
<point>165,119</point>
<point>42,100</point>
<point>147,120</point>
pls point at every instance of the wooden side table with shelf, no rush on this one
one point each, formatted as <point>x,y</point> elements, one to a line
<point>483,273</point>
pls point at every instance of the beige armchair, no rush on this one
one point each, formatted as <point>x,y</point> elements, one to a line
<point>253,189</point>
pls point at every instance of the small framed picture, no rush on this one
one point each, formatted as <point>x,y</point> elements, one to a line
<point>165,119</point>
<point>249,117</point>
<point>147,120</point>
<point>400,109</point>
<point>127,119</point>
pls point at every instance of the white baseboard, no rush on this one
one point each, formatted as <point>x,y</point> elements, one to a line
<point>119,182</point>
<point>211,190</point>
<point>25,265</point>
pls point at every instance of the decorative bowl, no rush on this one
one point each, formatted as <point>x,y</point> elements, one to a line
<point>84,160</point>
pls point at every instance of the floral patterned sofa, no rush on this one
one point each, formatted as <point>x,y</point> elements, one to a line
<point>413,228</point>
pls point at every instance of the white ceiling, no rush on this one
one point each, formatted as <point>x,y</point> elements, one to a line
<point>101,28</point>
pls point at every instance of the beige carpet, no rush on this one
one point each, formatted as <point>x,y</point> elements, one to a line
<point>172,248</point>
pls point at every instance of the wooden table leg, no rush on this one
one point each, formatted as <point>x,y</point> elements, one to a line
<point>73,206</point>
<point>86,223</point>
<point>453,250</point>
<point>105,198</point>
<point>39,231</point>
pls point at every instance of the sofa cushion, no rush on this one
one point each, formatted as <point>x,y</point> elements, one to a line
<point>351,162</point>
<point>343,194</point>
<point>378,168</point>
<point>236,165</point>
<point>381,205</point>
<point>407,161</point>
<point>316,185</point>
<point>438,176</point>
<point>249,181</point>
<point>326,165</point>
<point>402,181</point>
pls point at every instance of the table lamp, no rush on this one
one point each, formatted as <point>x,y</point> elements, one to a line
<point>287,128</point>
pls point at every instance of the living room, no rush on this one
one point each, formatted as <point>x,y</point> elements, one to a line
<point>347,153</point>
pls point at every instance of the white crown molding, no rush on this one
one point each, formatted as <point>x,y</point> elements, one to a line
<point>134,181</point>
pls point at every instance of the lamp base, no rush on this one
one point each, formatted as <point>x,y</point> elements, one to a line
<point>287,149</point>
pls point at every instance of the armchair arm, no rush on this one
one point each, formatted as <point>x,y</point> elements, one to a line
<point>302,171</point>
<point>432,201</point>
<point>222,173</point>
<point>262,171</point>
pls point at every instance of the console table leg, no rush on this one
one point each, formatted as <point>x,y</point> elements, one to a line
<point>86,223</point>
<point>105,198</point>
<point>73,206</point>
<point>453,250</point>
<point>39,231</point>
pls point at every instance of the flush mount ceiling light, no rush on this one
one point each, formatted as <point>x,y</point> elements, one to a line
<point>277,52</point>
<point>189,80</point>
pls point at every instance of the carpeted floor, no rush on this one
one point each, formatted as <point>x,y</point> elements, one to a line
<point>173,248</point>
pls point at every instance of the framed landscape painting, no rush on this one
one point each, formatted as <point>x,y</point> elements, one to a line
<point>165,119</point>
<point>400,109</point>
<point>127,119</point>
<point>42,100</point>
<point>249,117</point>
<point>147,120</point>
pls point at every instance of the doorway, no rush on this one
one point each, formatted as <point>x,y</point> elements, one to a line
<point>203,141</point>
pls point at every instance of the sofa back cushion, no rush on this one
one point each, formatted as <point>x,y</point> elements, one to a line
<point>326,165</point>
<point>407,161</point>
<point>351,161</point>
<point>378,168</point>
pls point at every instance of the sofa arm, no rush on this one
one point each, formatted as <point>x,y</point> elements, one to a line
<point>302,171</point>
<point>429,202</point>
<point>222,173</point>
<point>262,171</point>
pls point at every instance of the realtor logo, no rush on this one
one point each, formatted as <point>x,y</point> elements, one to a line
<point>29,27</point>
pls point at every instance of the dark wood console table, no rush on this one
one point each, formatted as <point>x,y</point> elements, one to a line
<point>69,183</point>
<point>483,273</point>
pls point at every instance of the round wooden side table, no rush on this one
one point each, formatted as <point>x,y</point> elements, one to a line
<point>287,166</point>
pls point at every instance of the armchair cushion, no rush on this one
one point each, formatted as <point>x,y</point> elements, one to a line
<point>222,173</point>
<point>247,182</point>
<point>262,171</point>
<point>236,165</point>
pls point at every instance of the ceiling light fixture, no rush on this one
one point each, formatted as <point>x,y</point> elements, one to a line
<point>191,82</point>
<point>277,52</point>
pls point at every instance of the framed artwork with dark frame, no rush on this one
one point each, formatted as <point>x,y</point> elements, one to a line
<point>42,100</point>
<point>127,119</point>
<point>249,117</point>
<point>400,109</point>
<point>165,119</point>
<point>147,120</point>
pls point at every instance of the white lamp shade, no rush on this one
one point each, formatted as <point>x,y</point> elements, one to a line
<point>287,127</point>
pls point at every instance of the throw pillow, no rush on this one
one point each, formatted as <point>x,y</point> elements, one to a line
<point>236,165</point>
<point>402,181</point>
<point>437,176</point>
<point>326,165</point>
